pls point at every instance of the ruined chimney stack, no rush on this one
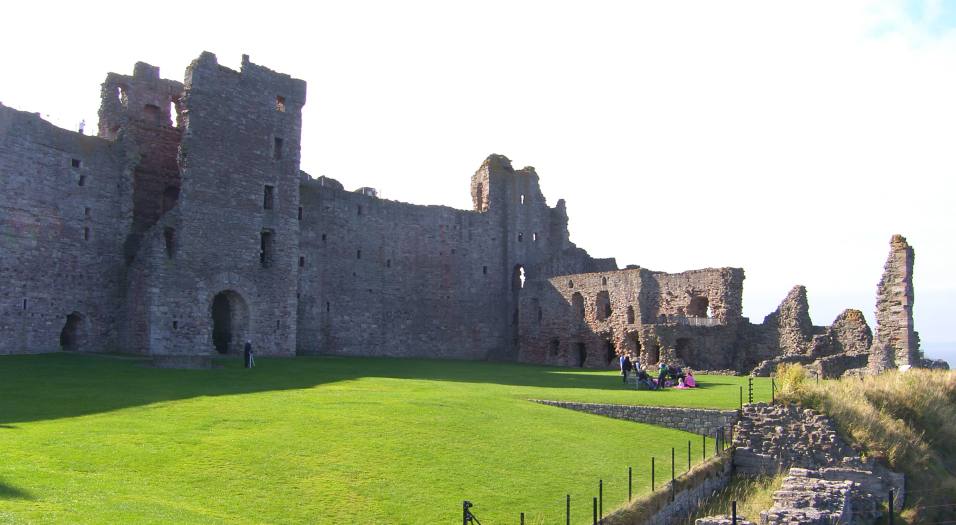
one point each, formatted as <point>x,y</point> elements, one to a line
<point>897,343</point>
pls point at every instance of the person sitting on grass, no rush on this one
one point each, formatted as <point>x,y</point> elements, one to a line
<point>689,379</point>
<point>644,381</point>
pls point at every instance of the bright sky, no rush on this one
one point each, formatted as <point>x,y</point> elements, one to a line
<point>788,138</point>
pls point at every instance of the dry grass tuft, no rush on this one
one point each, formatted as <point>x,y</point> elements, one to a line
<point>907,419</point>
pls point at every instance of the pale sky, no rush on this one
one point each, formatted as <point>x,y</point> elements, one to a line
<point>790,139</point>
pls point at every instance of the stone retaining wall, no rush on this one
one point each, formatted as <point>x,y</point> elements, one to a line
<point>696,420</point>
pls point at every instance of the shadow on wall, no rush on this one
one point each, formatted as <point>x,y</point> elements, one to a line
<point>79,384</point>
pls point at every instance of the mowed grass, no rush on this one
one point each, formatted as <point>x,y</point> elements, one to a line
<point>92,439</point>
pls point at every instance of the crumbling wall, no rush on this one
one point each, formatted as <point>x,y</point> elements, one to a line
<point>897,343</point>
<point>590,319</point>
<point>62,229</point>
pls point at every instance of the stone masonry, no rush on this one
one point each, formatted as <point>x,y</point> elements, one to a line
<point>696,420</point>
<point>186,227</point>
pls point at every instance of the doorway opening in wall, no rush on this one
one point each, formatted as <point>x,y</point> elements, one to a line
<point>653,353</point>
<point>229,318</point>
<point>684,350</point>
<point>577,306</point>
<point>73,334</point>
<point>581,353</point>
<point>635,346</point>
<point>609,350</point>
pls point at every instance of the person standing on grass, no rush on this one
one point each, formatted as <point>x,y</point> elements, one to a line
<point>247,355</point>
<point>661,374</point>
<point>625,366</point>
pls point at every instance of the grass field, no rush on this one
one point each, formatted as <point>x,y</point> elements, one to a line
<point>93,439</point>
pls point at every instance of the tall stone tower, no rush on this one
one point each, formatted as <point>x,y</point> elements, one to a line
<point>897,343</point>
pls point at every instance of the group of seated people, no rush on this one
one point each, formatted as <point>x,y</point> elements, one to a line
<point>667,376</point>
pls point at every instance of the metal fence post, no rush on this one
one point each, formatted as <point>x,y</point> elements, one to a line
<point>522,518</point>
<point>673,475</point>
<point>630,479</point>
<point>567,511</point>
<point>703,454</point>
<point>595,511</point>
<point>891,506</point>
<point>601,499</point>
<point>773,390</point>
<point>733,512</point>
<point>688,455</point>
<point>652,473</point>
<point>741,397</point>
<point>750,389</point>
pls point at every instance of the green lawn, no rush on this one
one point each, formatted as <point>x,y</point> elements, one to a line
<point>92,439</point>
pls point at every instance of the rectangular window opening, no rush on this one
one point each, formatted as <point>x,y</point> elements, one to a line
<point>358,254</point>
<point>76,163</point>
<point>280,103</point>
<point>24,304</point>
<point>87,213</point>
<point>268,197</point>
<point>266,241</point>
<point>300,213</point>
<point>175,325</point>
<point>301,261</point>
<point>484,270</point>
<point>86,233</point>
<point>277,149</point>
<point>82,181</point>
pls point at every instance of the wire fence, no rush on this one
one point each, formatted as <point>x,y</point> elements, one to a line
<point>570,508</point>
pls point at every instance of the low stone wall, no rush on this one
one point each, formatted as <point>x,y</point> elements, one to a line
<point>688,492</point>
<point>696,420</point>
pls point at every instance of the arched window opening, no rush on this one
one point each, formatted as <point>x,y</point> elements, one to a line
<point>518,278</point>
<point>603,305</point>
<point>577,305</point>
<point>603,281</point>
<point>229,319</point>
<point>170,197</point>
<point>630,314</point>
<point>570,284</point>
<point>698,307</point>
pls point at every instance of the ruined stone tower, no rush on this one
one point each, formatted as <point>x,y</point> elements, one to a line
<point>897,343</point>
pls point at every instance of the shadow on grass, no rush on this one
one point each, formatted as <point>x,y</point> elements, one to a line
<point>51,386</point>
<point>9,492</point>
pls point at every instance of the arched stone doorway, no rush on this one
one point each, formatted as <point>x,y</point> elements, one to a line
<point>73,334</point>
<point>230,319</point>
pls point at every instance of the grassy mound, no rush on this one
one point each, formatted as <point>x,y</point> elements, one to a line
<point>90,439</point>
<point>907,419</point>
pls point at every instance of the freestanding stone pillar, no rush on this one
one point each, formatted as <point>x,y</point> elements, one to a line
<point>897,343</point>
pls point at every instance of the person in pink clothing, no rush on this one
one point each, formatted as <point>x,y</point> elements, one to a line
<point>689,380</point>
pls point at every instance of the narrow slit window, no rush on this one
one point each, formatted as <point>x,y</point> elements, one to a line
<point>88,213</point>
<point>268,197</point>
<point>280,103</point>
<point>175,325</point>
<point>277,149</point>
<point>169,234</point>
<point>360,209</point>
<point>522,199</point>
<point>520,236</point>
<point>82,181</point>
<point>301,261</point>
<point>358,254</point>
<point>534,237</point>
<point>388,263</point>
<point>24,304</point>
<point>484,270</point>
<point>86,233</point>
<point>300,213</point>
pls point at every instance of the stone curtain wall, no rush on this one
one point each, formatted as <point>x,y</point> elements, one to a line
<point>379,277</point>
<point>696,420</point>
<point>62,228</point>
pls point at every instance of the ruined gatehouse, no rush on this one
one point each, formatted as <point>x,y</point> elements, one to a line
<point>185,227</point>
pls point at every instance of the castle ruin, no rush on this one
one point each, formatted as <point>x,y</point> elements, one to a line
<point>185,228</point>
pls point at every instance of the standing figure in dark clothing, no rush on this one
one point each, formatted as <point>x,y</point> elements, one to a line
<point>247,355</point>
<point>625,366</point>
